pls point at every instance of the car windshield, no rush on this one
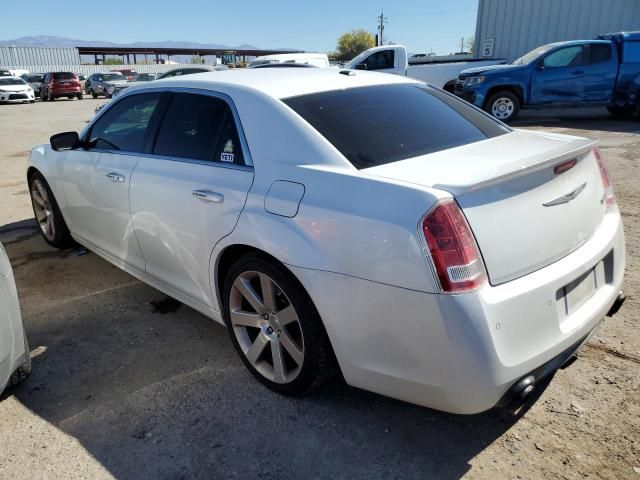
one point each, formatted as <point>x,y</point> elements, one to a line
<point>381,124</point>
<point>64,76</point>
<point>112,76</point>
<point>35,78</point>
<point>527,58</point>
<point>11,81</point>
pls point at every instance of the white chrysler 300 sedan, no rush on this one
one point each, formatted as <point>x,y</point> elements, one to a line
<point>341,219</point>
<point>15,361</point>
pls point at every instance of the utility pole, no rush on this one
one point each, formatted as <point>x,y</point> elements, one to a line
<point>462,45</point>
<point>381,23</point>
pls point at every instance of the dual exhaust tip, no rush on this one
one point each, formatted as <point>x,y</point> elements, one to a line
<point>526,385</point>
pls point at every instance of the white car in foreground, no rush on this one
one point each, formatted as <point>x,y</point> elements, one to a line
<point>15,361</point>
<point>15,90</point>
<point>352,220</point>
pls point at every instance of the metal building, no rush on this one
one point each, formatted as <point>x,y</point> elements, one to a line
<point>11,56</point>
<point>510,28</point>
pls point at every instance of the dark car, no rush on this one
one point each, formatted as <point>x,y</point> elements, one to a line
<point>35,80</point>
<point>60,84</point>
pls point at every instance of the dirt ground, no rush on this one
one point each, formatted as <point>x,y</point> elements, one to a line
<point>128,384</point>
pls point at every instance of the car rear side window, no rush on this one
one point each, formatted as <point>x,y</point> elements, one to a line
<point>600,53</point>
<point>199,127</point>
<point>124,126</point>
<point>64,76</point>
<point>381,124</point>
<point>381,60</point>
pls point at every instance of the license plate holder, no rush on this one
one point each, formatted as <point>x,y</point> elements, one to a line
<point>577,292</point>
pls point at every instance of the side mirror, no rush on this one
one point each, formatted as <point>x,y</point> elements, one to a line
<point>361,66</point>
<point>540,65</point>
<point>64,141</point>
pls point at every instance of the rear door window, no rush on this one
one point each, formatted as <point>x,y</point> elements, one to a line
<point>600,53</point>
<point>125,125</point>
<point>199,127</point>
<point>381,124</point>
<point>64,76</point>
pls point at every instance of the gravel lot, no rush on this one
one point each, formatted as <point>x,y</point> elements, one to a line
<point>131,385</point>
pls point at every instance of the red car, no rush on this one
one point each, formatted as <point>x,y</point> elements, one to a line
<point>60,84</point>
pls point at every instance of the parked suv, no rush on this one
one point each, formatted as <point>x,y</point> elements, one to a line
<point>60,84</point>
<point>104,84</point>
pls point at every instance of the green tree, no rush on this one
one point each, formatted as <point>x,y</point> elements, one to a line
<point>470,43</point>
<point>113,61</point>
<point>353,43</point>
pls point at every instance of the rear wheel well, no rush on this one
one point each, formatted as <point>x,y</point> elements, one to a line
<point>517,91</point>
<point>228,257</point>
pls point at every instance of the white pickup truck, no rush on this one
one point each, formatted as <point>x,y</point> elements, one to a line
<point>394,59</point>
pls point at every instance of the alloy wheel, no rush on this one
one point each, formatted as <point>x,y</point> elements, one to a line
<point>43,209</point>
<point>266,326</point>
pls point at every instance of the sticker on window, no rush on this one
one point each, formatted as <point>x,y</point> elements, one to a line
<point>228,147</point>
<point>226,157</point>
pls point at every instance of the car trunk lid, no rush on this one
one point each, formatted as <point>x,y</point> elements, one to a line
<point>530,198</point>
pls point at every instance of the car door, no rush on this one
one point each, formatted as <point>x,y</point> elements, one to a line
<point>188,193</point>
<point>601,72</point>
<point>558,77</point>
<point>97,179</point>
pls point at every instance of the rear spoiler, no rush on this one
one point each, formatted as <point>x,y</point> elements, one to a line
<point>520,167</point>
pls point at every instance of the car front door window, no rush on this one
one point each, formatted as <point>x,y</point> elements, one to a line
<point>124,126</point>
<point>565,57</point>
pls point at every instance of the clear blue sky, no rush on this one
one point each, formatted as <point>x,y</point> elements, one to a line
<point>309,25</point>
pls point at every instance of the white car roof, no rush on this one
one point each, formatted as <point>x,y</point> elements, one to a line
<point>282,82</point>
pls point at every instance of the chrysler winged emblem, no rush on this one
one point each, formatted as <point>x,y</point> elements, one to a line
<point>566,198</point>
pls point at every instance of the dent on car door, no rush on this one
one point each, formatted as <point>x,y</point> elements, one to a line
<point>600,73</point>
<point>558,76</point>
<point>189,192</point>
<point>96,179</point>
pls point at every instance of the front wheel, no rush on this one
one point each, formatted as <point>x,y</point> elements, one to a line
<point>274,326</point>
<point>503,105</point>
<point>79,96</point>
<point>45,208</point>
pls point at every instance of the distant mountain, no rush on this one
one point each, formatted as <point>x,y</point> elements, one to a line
<point>53,41</point>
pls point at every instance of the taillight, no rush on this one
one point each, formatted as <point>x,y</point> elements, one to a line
<point>609,198</point>
<point>453,248</point>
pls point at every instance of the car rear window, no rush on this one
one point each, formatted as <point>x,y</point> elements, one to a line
<point>64,76</point>
<point>381,124</point>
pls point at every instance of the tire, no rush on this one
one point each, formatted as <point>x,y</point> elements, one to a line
<point>51,97</point>
<point>93,94</point>
<point>301,344</point>
<point>79,96</point>
<point>47,213</point>
<point>620,112</point>
<point>23,370</point>
<point>32,101</point>
<point>44,97</point>
<point>503,105</point>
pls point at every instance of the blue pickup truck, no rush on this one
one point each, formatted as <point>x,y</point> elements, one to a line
<point>604,72</point>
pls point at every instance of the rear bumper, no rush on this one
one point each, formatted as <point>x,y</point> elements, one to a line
<point>61,92</point>
<point>462,353</point>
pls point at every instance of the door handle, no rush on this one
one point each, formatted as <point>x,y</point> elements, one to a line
<point>115,177</point>
<point>208,196</point>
